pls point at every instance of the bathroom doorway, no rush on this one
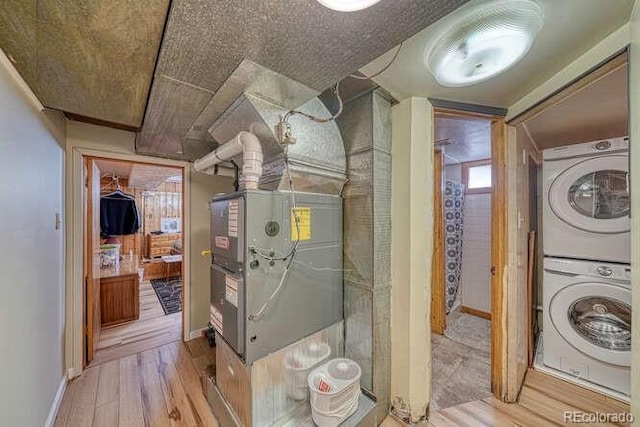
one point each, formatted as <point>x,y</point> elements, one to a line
<point>462,263</point>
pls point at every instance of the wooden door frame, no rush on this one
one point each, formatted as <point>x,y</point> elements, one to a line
<point>74,205</point>
<point>499,231</point>
<point>498,253</point>
<point>87,311</point>
<point>90,315</point>
<point>438,276</point>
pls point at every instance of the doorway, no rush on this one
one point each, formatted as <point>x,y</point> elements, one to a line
<point>133,266</point>
<point>462,262</point>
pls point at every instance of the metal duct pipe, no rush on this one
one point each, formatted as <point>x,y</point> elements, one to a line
<point>244,142</point>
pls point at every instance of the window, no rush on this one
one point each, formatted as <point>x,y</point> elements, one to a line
<point>170,225</point>
<point>476,176</point>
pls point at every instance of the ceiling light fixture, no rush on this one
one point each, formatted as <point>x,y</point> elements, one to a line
<point>485,41</point>
<point>348,5</point>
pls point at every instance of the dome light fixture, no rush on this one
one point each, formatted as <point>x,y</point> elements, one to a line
<point>484,42</point>
<point>348,5</point>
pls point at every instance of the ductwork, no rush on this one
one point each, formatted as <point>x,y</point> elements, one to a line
<point>245,143</point>
<point>317,161</point>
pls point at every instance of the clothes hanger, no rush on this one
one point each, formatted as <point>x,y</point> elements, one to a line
<point>118,194</point>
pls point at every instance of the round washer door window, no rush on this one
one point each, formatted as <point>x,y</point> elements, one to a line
<point>602,321</point>
<point>593,195</point>
<point>602,194</point>
<point>595,318</point>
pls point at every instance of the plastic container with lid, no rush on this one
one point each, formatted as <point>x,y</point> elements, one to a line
<point>110,255</point>
<point>297,365</point>
<point>335,390</point>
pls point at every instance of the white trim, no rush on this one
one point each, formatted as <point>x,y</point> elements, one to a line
<point>197,333</point>
<point>75,246</point>
<point>71,373</point>
<point>55,406</point>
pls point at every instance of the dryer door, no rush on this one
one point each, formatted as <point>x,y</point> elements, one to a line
<point>595,318</point>
<point>593,195</point>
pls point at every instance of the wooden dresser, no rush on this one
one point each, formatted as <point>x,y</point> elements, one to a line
<point>160,244</point>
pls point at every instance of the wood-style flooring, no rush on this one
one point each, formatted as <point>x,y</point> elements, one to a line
<point>157,387</point>
<point>461,361</point>
<point>543,402</point>
<point>153,329</point>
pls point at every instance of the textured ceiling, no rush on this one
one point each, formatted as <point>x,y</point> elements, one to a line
<point>206,41</point>
<point>470,138</point>
<point>571,27</point>
<point>92,58</point>
<point>110,168</point>
<point>137,175</point>
<point>96,59</point>
<point>598,111</point>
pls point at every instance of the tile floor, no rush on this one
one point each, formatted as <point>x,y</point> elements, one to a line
<point>461,361</point>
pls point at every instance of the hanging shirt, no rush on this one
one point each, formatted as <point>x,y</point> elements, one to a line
<point>118,215</point>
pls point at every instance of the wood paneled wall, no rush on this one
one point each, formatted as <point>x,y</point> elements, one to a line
<point>163,202</point>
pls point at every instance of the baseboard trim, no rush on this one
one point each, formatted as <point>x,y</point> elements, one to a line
<point>55,406</point>
<point>475,312</point>
<point>197,333</point>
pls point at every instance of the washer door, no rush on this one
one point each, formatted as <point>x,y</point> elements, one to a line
<point>593,195</point>
<point>595,318</point>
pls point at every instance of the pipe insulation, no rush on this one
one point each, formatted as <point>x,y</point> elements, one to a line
<point>244,142</point>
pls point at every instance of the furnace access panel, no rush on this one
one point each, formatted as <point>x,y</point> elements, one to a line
<point>253,233</point>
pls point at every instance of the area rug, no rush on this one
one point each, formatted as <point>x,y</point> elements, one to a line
<point>169,293</point>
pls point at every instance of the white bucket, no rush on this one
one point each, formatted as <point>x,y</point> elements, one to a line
<point>297,365</point>
<point>335,390</point>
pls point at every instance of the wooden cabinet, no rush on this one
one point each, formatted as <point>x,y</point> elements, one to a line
<point>161,244</point>
<point>119,294</point>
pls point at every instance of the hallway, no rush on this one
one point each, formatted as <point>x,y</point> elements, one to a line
<point>153,329</point>
<point>158,387</point>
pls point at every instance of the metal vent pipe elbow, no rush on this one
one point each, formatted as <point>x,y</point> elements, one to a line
<point>244,142</point>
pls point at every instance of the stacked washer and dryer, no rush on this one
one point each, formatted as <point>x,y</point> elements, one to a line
<point>586,282</point>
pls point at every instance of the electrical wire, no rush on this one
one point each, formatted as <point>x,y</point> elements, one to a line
<point>261,252</point>
<point>336,91</point>
<point>292,253</point>
<point>386,67</point>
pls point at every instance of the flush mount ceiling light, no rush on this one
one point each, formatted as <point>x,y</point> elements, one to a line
<point>348,5</point>
<point>483,42</point>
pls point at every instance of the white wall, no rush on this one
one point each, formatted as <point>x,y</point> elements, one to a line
<point>411,250</point>
<point>453,172</point>
<point>203,187</point>
<point>32,302</point>
<point>475,280</point>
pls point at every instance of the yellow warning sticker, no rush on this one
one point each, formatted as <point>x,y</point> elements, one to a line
<point>303,217</point>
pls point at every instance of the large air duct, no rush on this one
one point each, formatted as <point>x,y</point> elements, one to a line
<point>317,161</point>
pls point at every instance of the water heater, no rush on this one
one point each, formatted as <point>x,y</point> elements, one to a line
<point>274,282</point>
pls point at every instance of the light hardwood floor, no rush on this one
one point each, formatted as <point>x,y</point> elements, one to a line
<point>153,329</point>
<point>157,387</point>
<point>543,402</point>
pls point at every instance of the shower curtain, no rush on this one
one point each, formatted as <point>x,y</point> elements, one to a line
<point>453,201</point>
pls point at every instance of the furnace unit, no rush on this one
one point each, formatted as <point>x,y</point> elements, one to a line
<point>274,282</point>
